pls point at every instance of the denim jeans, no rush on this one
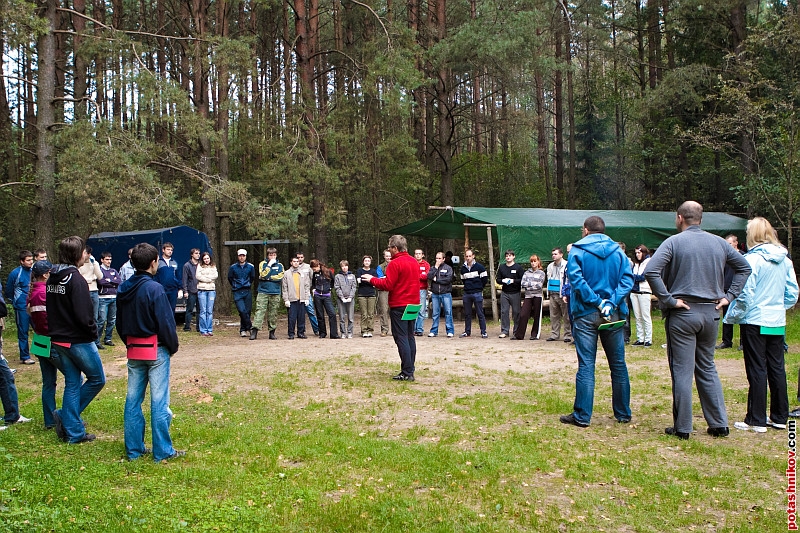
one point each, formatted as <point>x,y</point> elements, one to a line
<point>49,366</point>
<point>8,393</point>
<point>77,359</point>
<point>206,300</point>
<point>156,373</point>
<point>403,333</point>
<point>323,306</point>
<point>312,316</point>
<point>23,320</point>
<point>439,300</point>
<point>106,316</point>
<point>243,298</point>
<point>423,311</point>
<point>191,306</point>
<point>585,334</point>
<point>95,297</point>
<point>477,298</point>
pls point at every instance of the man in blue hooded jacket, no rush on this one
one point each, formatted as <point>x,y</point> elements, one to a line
<point>600,277</point>
<point>16,290</point>
<point>144,311</point>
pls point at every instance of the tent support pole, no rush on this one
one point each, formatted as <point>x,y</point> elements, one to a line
<point>491,271</point>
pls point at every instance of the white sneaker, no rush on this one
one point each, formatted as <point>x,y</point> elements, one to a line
<point>449,335</point>
<point>431,334</point>
<point>22,420</point>
<point>365,335</point>
<point>369,334</point>
<point>3,428</point>
<point>747,427</point>
<point>773,425</point>
<point>349,335</point>
<point>244,334</point>
<point>503,336</point>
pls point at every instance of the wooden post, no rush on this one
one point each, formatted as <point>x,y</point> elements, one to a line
<point>495,315</point>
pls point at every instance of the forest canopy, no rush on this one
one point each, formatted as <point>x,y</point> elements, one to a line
<point>328,121</point>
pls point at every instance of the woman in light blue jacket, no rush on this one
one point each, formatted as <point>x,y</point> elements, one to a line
<point>760,309</point>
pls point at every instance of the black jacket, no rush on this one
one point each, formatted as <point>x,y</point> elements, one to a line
<point>441,279</point>
<point>144,310</point>
<point>70,313</point>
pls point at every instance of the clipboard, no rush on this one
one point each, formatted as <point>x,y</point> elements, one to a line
<point>610,326</point>
<point>40,346</point>
<point>142,348</point>
<point>411,312</point>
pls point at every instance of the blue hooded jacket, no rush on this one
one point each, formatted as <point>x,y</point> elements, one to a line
<point>143,310</point>
<point>598,270</point>
<point>770,290</point>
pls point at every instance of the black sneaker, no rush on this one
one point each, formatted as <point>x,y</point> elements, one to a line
<point>465,335</point>
<point>719,432</point>
<point>175,455</point>
<point>638,343</point>
<point>623,420</point>
<point>570,419</point>
<point>87,437</point>
<point>673,433</point>
<point>60,433</point>
<point>100,347</point>
<point>403,377</point>
<point>302,336</point>
<point>109,343</point>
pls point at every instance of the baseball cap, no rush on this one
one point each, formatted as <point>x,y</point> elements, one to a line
<point>241,251</point>
<point>41,267</point>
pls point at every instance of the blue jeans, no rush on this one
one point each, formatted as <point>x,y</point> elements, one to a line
<point>403,333</point>
<point>312,316</point>
<point>156,373</point>
<point>77,359</point>
<point>49,366</point>
<point>23,320</point>
<point>106,317</point>
<point>477,299</point>
<point>95,297</point>
<point>8,393</point>
<point>423,312</point>
<point>191,306</point>
<point>438,300</point>
<point>206,300</point>
<point>243,298</point>
<point>585,334</point>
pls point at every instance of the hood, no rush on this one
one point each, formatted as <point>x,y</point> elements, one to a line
<point>598,244</point>
<point>770,252</point>
<point>61,273</point>
<point>127,291</point>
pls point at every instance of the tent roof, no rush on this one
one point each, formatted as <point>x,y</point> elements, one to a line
<point>537,230</point>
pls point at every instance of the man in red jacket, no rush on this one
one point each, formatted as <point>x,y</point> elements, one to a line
<point>402,282</point>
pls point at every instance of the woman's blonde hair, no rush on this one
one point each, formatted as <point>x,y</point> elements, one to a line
<point>760,231</point>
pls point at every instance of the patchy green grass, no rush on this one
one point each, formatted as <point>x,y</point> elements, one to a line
<point>445,454</point>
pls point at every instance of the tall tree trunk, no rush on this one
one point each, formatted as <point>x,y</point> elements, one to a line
<point>44,222</point>
<point>571,185</point>
<point>653,43</point>
<point>558,107</point>
<point>81,68</point>
<point>541,137</point>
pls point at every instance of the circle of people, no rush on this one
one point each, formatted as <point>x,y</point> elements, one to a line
<point>693,275</point>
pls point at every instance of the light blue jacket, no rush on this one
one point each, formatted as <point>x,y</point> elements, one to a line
<point>598,270</point>
<point>770,290</point>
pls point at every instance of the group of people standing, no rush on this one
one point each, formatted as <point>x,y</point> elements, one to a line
<point>61,305</point>
<point>687,275</point>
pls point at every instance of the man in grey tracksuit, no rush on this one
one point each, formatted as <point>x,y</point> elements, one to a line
<point>686,273</point>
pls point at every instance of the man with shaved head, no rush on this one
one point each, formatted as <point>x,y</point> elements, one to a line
<point>686,273</point>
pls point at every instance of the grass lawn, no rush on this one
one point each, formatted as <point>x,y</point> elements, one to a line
<point>327,443</point>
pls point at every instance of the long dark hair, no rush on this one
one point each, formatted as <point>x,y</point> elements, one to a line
<point>210,263</point>
<point>323,269</point>
<point>645,253</point>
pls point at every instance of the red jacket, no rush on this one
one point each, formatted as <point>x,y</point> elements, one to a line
<point>424,268</point>
<point>36,301</point>
<point>402,280</point>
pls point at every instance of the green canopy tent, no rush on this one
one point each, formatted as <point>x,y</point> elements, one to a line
<point>538,231</point>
